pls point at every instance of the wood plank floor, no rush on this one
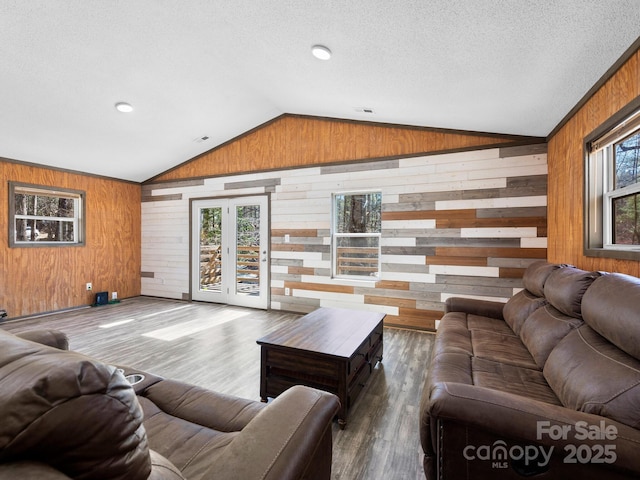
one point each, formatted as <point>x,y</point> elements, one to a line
<point>214,346</point>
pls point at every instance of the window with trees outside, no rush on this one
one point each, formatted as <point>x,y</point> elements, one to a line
<point>357,227</point>
<point>40,216</point>
<point>612,226</point>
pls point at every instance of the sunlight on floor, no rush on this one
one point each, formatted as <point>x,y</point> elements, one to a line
<point>194,326</point>
<point>119,322</point>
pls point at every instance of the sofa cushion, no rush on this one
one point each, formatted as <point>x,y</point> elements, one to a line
<point>450,367</point>
<point>590,374</point>
<point>543,330</point>
<point>69,411</point>
<point>476,322</point>
<point>611,307</point>
<point>180,440</point>
<point>519,307</point>
<point>512,379</point>
<point>536,274</point>
<point>565,288</point>
<point>507,349</point>
<point>453,335</point>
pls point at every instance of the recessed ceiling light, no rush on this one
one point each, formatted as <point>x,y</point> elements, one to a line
<point>321,52</point>
<point>124,107</point>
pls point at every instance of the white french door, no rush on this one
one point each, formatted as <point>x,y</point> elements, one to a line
<point>229,240</point>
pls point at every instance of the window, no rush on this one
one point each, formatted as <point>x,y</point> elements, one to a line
<point>356,235</point>
<point>612,223</point>
<point>41,216</point>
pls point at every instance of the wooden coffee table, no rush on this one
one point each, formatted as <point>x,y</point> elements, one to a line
<point>330,349</point>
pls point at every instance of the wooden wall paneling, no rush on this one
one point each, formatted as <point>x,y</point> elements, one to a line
<point>292,141</point>
<point>566,171</point>
<point>43,279</point>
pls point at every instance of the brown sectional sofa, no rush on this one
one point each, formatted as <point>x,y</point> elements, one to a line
<point>65,415</point>
<point>544,386</point>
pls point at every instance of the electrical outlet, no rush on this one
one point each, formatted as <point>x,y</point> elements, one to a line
<point>89,286</point>
<point>114,295</point>
<point>287,291</point>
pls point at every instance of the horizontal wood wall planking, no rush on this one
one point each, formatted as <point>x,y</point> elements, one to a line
<point>566,171</point>
<point>423,262</point>
<point>487,252</point>
<point>414,319</point>
<point>293,141</point>
<point>45,279</point>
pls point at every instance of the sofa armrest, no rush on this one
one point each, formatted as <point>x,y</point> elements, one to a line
<point>508,416</point>
<point>474,306</point>
<point>52,338</point>
<point>29,470</point>
<point>289,439</point>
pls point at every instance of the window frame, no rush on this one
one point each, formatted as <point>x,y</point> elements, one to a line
<point>335,235</point>
<point>78,219</point>
<point>599,191</point>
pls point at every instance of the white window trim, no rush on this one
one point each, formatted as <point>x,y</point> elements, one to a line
<point>599,192</point>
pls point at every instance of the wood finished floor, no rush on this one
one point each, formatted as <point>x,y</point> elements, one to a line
<point>214,346</point>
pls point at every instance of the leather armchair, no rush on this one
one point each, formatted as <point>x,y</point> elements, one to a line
<point>66,415</point>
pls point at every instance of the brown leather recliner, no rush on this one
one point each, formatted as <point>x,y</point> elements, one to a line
<point>65,415</point>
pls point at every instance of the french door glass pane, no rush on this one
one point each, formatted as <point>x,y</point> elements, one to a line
<point>248,250</point>
<point>211,249</point>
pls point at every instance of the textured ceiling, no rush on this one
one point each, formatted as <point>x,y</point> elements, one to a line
<point>215,68</point>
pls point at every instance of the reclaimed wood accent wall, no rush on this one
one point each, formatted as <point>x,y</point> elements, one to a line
<point>44,279</point>
<point>291,141</point>
<point>566,171</point>
<point>464,224</point>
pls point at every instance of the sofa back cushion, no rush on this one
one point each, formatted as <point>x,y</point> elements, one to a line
<point>611,307</point>
<point>590,374</point>
<point>519,307</point>
<point>536,275</point>
<point>544,329</point>
<point>69,411</point>
<point>565,288</point>
<point>525,302</point>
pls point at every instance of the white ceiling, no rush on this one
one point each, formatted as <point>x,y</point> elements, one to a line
<point>220,68</point>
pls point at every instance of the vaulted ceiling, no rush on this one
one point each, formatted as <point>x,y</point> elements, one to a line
<point>216,69</point>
